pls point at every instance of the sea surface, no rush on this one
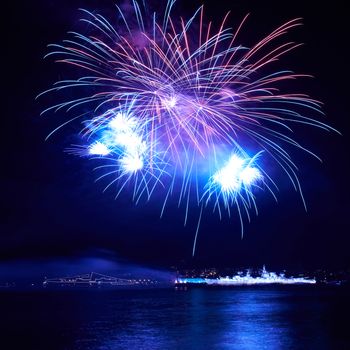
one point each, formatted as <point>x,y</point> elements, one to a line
<point>291,317</point>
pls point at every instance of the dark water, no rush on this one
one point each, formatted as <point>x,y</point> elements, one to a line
<point>242,318</point>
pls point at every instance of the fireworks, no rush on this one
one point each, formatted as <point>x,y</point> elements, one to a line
<point>166,103</point>
<point>236,174</point>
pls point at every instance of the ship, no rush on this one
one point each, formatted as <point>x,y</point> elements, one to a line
<point>246,279</point>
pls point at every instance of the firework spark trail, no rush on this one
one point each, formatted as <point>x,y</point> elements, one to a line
<point>167,107</point>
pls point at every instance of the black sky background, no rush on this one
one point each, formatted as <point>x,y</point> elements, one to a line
<point>51,209</point>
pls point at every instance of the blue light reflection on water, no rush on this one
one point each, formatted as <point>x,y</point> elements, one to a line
<point>240,318</point>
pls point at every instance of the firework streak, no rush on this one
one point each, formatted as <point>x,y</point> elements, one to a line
<point>180,108</point>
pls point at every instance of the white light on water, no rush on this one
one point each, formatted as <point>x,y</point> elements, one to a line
<point>247,279</point>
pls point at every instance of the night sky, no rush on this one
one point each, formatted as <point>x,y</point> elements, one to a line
<point>51,209</point>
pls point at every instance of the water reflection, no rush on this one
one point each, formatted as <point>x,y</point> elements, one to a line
<point>220,319</point>
<point>239,318</point>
